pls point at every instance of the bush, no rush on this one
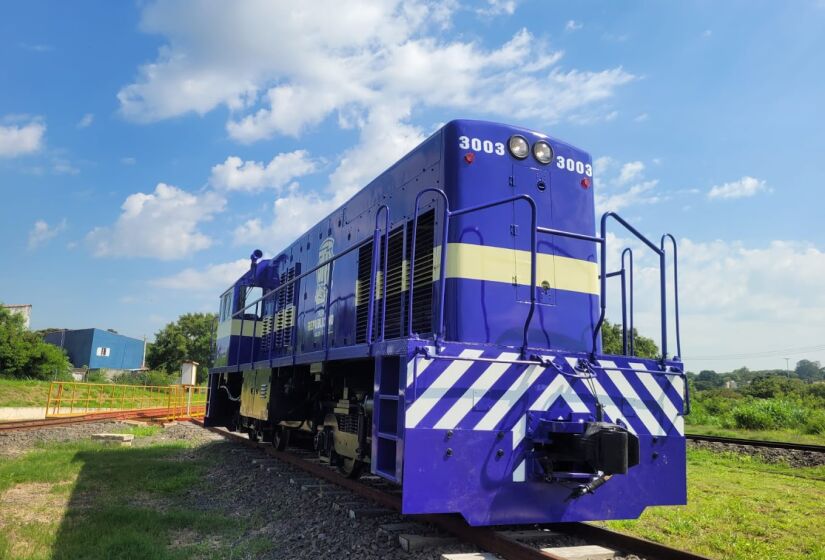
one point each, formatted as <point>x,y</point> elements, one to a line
<point>815,422</point>
<point>24,355</point>
<point>151,377</point>
<point>768,414</point>
<point>96,376</point>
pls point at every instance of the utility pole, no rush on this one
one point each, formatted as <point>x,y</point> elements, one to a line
<point>787,367</point>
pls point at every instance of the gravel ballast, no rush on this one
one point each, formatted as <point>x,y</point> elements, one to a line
<point>294,515</point>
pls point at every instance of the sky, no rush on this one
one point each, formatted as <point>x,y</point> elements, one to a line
<point>146,148</point>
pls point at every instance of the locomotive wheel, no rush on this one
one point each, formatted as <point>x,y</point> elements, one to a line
<point>280,438</point>
<point>350,468</point>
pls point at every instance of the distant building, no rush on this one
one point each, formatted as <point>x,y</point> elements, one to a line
<point>24,309</point>
<point>731,384</point>
<point>99,349</point>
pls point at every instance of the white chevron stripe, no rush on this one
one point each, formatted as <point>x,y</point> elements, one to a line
<point>478,389</point>
<point>559,387</point>
<point>509,398</point>
<point>427,400</point>
<point>518,474</point>
<point>662,399</point>
<point>642,411</point>
<point>613,412</point>
<point>678,386</point>
<point>419,362</point>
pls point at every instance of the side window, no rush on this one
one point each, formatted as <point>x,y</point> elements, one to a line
<point>103,351</point>
<point>226,307</point>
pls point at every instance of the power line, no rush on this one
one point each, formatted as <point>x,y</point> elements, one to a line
<point>764,354</point>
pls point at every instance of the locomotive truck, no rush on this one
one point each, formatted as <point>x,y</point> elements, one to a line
<point>442,330</point>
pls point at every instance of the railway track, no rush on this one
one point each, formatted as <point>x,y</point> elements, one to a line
<point>758,443</point>
<point>505,542</point>
<point>145,414</point>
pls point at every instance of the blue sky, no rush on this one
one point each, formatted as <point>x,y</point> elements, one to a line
<point>146,148</point>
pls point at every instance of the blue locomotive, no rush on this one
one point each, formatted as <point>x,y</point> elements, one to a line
<point>442,330</point>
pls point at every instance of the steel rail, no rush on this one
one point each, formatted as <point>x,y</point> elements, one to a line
<point>149,413</point>
<point>758,443</point>
<point>491,539</point>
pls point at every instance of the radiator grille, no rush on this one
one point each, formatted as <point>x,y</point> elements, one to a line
<point>398,274</point>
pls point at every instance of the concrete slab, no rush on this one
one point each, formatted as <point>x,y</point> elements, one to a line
<point>124,440</point>
<point>134,423</point>
<point>369,512</point>
<point>417,542</point>
<point>8,413</point>
<point>469,556</point>
<point>587,552</point>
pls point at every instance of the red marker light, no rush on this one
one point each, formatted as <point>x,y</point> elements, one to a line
<point>469,157</point>
<point>585,183</point>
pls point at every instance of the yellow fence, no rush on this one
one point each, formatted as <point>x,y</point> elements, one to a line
<point>172,401</point>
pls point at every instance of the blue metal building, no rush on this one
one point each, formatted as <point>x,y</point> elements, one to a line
<point>99,349</point>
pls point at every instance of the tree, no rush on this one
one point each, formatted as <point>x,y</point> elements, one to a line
<point>708,379</point>
<point>808,370</point>
<point>24,354</point>
<point>612,342</point>
<point>188,338</point>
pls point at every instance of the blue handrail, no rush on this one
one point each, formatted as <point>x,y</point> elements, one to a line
<point>439,328</point>
<point>447,214</point>
<point>376,241</point>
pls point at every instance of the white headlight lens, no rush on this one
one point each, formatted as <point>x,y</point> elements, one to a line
<point>543,152</point>
<point>519,146</point>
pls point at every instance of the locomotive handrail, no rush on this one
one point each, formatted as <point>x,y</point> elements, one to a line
<point>443,261</point>
<point>603,278</point>
<point>447,214</point>
<point>628,251</point>
<point>376,240</point>
<point>623,275</point>
<point>675,289</point>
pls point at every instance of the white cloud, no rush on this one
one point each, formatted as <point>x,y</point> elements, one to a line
<point>630,172</point>
<point>62,166</point>
<point>210,279</point>
<point>128,160</point>
<point>291,216</point>
<point>41,232</point>
<point>743,188</point>
<point>21,139</point>
<point>707,33</point>
<point>498,7</point>
<point>162,224</point>
<point>734,298</point>
<point>234,174</point>
<point>641,117</point>
<point>620,186</point>
<point>573,25</point>
<point>86,121</point>
<point>281,68</point>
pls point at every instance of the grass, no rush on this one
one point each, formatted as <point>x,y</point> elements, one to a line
<point>23,392</point>
<point>20,392</point>
<point>741,508</point>
<point>771,435</point>
<point>87,500</point>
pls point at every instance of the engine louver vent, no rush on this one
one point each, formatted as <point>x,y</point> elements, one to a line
<point>398,274</point>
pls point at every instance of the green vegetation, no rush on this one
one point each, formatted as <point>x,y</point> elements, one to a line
<point>768,403</point>
<point>740,508</point>
<point>612,342</point>
<point>23,354</point>
<point>188,338</point>
<point>23,392</point>
<point>87,500</point>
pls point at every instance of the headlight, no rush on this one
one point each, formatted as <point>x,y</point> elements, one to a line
<point>543,152</point>
<point>518,146</point>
